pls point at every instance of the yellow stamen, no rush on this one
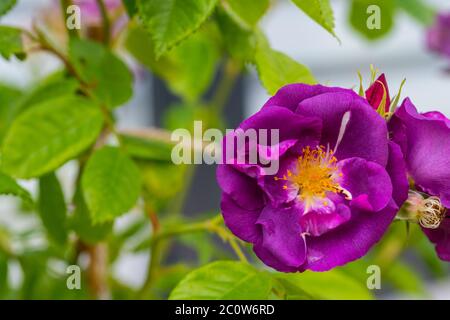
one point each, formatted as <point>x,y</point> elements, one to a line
<point>315,175</point>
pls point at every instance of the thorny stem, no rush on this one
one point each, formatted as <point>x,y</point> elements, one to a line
<point>45,45</point>
<point>97,271</point>
<point>153,220</point>
<point>154,253</point>
<point>152,266</point>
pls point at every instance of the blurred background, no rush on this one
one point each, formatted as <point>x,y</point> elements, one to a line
<point>400,55</point>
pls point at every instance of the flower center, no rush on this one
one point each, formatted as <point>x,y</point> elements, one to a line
<point>428,212</point>
<point>315,175</point>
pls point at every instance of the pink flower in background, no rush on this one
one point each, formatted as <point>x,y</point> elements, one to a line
<point>91,18</point>
<point>91,13</point>
<point>438,35</point>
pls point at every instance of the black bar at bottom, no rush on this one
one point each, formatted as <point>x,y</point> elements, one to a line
<point>222,309</point>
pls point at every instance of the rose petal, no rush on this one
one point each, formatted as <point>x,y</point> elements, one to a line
<point>441,238</point>
<point>269,259</point>
<point>241,188</point>
<point>282,235</point>
<point>291,95</point>
<point>396,169</point>
<point>289,124</point>
<point>317,223</point>
<point>240,221</point>
<point>427,150</point>
<point>365,133</point>
<point>350,241</point>
<point>368,183</point>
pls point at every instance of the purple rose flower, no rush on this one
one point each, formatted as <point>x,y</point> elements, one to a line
<point>339,185</point>
<point>425,141</point>
<point>438,35</point>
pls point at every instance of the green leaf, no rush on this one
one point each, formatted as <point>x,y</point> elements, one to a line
<point>188,70</point>
<point>320,11</point>
<point>51,133</point>
<point>8,101</point>
<point>246,12</point>
<point>13,102</point>
<point>276,69</point>
<point>323,285</point>
<point>11,42</point>
<point>52,208</point>
<point>83,225</point>
<point>8,186</point>
<point>147,149</point>
<point>56,85</point>
<point>418,9</point>
<point>111,184</point>
<point>107,76</point>
<point>224,280</point>
<point>131,7</point>
<point>359,17</point>
<point>6,6</point>
<point>239,42</point>
<point>171,21</point>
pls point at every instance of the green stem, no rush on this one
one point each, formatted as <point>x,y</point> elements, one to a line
<point>46,45</point>
<point>151,271</point>
<point>177,206</point>
<point>213,225</point>
<point>231,72</point>
<point>208,225</point>
<point>106,22</point>
<point>237,249</point>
